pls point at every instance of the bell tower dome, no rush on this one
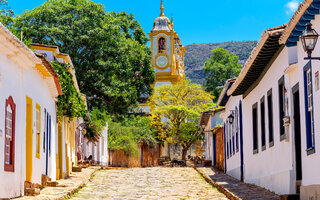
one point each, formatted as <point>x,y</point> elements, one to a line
<point>167,51</point>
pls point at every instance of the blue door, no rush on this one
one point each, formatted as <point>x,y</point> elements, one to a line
<point>47,140</point>
<point>214,136</point>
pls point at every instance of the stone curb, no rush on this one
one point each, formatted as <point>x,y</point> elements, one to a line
<point>223,190</point>
<point>68,192</point>
<point>79,187</point>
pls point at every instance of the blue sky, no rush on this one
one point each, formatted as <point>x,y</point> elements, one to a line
<point>201,21</point>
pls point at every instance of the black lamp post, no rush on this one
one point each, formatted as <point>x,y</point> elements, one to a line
<point>309,40</point>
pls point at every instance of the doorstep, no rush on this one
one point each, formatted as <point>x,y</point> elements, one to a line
<point>65,187</point>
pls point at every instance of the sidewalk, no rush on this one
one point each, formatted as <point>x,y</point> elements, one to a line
<point>233,188</point>
<point>66,187</point>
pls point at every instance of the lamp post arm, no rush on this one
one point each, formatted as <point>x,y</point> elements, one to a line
<point>312,58</point>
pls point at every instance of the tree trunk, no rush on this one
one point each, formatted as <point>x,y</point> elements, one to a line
<point>184,153</point>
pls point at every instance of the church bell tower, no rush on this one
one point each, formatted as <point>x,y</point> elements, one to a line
<point>167,51</point>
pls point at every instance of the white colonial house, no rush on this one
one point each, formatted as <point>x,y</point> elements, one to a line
<point>209,122</point>
<point>232,123</point>
<point>66,132</point>
<point>304,81</point>
<point>98,150</point>
<point>280,91</point>
<point>28,90</point>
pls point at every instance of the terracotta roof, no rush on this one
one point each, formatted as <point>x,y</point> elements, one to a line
<point>294,20</point>
<point>205,115</point>
<point>45,45</point>
<point>204,118</point>
<point>51,70</point>
<point>260,57</point>
<point>19,44</point>
<point>223,97</point>
<point>215,129</point>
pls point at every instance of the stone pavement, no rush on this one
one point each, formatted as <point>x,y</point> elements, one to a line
<point>148,183</point>
<point>233,188</point>
<point>66,187</point>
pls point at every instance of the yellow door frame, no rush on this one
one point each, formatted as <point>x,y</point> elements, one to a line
<point>60,150</point>
<point>29,138</point>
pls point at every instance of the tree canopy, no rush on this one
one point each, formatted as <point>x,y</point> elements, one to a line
<point>219,68</point>
<point>129,132</point>
<point>108,50</point>
<point>6,13</point>
<point>179,105</point>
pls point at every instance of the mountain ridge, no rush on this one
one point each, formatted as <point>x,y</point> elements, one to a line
<point>198,54</point>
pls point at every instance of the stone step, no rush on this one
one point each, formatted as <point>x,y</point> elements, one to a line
<point>31,191</point>
<point>52,183</point>
<point>44,180</point>
<point>290,197</point>
<point>76,169</point>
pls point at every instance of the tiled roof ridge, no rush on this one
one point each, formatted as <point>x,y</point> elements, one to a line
<point>294,20</point>
<point>45,45</point>
<point>51,70</point>
<point>47,64</point>
<point>19,44</point>
<point>264,36</point>
<point>270,32</point>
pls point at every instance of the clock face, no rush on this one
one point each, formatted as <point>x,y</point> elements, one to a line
<point>162,61</point>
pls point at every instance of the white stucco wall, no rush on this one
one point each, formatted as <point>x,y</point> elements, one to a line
<point>209,146</point>
<point>311,163</point>
<point>19,83</point>
<point>233,162</point>
<point>272,168</point>
<point>98,150</point>
<point>48,54</point>
<point>11,80</point>
<point>35,88</point>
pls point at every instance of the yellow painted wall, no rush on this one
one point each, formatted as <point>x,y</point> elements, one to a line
<point>29,138</point>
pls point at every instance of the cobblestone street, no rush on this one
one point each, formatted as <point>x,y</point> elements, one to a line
<point>148,183</point>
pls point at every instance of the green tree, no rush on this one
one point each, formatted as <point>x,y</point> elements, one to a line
<point>6,13</point>
<point>219,68</point>
<point>129,132</point>
<point>108,50</point>
<point>180,104</point>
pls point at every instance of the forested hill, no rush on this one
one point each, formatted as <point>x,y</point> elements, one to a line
<point>197,54</point>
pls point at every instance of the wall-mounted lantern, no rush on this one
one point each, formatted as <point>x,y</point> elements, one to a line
<point>203,125</point>
<point>309,40</point>
<point>231,118</point>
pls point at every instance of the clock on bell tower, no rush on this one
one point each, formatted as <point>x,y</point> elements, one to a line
<point>167,51</point>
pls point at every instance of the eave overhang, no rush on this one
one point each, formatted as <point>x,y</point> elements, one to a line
<point>50,71</point>
<point>261,56</point>
<point>304,14</point>
<point>224,97</point>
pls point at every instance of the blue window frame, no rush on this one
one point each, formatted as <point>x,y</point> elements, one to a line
<point>237,128</point>
<point>281,91</point>
<point>227,138</point>
<point>262,124</point>
<point>308,93</point>
<point>270,118</point>
<point>255,127</point>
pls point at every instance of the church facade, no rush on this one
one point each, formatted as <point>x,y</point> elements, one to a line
<point>167,51</point>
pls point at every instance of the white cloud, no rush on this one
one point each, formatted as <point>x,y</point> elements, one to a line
<point>292,6</point>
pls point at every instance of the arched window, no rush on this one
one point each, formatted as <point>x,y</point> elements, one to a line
<point>10,115</point>
<point>162,45</point>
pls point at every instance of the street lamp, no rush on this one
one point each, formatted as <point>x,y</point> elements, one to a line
<point>309,40</point>
<point>203,125</point>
